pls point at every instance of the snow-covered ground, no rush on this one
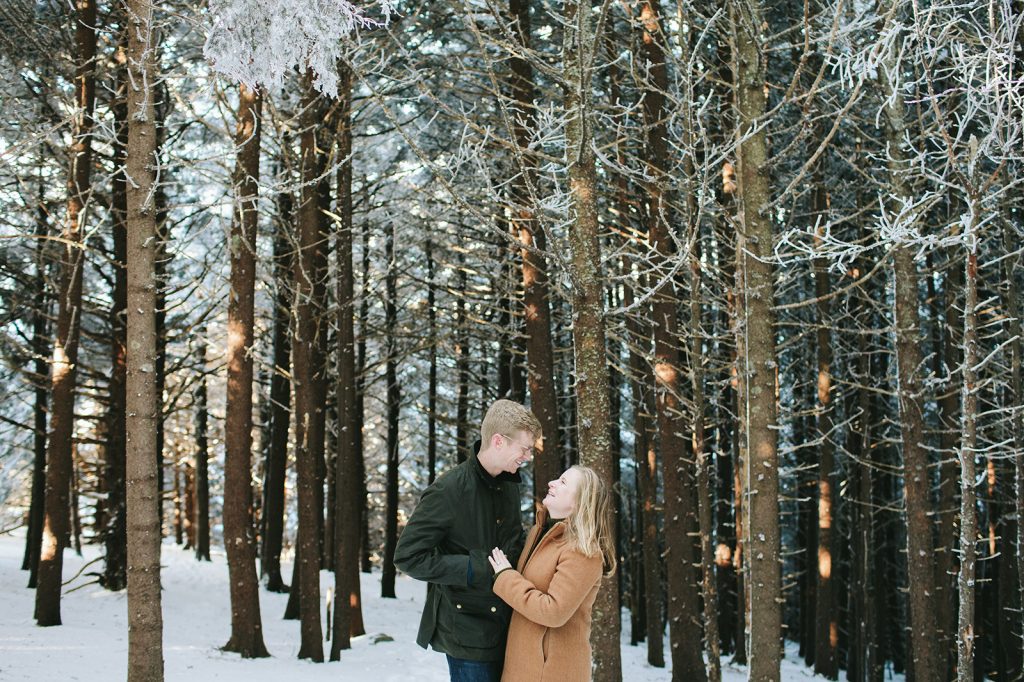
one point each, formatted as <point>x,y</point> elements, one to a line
<point>92,645</point>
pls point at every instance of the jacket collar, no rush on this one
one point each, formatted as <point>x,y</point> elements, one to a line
<point>493,481</point>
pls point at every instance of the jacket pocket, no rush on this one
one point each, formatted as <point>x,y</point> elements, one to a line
<point>477,621</point>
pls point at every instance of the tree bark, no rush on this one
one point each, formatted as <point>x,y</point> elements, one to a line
<point>145,619</point>
<point>40,379</point>
<point>1014,312</point>
<point>968,448</point>
<point>348,619</point>
<point>303,361</point>
<point>536,311</point>
<point>272,527</point>
<point>432,372</point>
<point>921,595</point>
<point>826,636</point>
<point>393,401</point>
<point>592,382</point>
<point>246,625</point>
<point>756,344</point>
<point>202,520</point>
<point>65,349</point>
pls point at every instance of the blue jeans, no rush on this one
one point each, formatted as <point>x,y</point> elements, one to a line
<point>461,670</point>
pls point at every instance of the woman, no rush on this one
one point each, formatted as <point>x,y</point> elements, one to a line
<point>553,590</point>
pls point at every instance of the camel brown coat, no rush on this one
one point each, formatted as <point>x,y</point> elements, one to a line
<point>552,595</point>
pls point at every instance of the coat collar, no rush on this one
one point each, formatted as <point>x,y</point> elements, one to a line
<point>493,481</point>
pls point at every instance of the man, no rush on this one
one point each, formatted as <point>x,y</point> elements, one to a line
<point>460,518</point>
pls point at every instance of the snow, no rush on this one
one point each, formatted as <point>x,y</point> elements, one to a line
<point>92,644</point>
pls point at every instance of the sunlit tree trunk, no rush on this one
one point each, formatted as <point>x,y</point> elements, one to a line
<point>145,618</point>
<point>756,346</point>
<point>246,624</point>
<point>69,299</point>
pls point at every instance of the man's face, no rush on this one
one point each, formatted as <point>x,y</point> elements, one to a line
<point>516,451</point>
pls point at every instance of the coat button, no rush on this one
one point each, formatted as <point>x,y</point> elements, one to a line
<point>494,609</point>
<point>458,606</point>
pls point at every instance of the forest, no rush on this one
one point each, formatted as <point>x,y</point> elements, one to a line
<point>264,264</point>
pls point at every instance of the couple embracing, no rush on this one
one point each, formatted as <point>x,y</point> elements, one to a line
<point>502,606</point>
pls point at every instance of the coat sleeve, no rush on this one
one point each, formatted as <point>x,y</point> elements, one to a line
<point>418,553</point>
<point>575,575</point>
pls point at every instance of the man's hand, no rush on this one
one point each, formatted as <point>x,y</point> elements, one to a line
<point>499,562</point>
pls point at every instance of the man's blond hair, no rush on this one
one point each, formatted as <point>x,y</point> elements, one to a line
<point>508,418</point>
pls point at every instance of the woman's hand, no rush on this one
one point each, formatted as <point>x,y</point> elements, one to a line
<point>499,562</point>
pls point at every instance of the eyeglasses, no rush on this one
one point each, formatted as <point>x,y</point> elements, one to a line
<point>524,450</point>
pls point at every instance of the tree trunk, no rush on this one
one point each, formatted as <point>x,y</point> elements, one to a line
<point>115,538</point>
<point>348,618</point>
<point>680,508</point>
<point>968,448</point>
<point>394,398</point>
<point>579,42</point>
<point>826,635</point>
<point>1013,316</point>
<point>756,344</point>
<point>365,565</point>
<point>705,490</point>
<point>304,371</point>
<point>202,458</point>
<point>280,402</point>
<point>246,625</point>
<point>40,379</point>
<point>65,349</point>
<point>145,619</point>
<point>432,378</point>
<point>921,595</point>
<point>536,311</point>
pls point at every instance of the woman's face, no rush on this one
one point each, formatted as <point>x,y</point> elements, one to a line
<point>561,497</point>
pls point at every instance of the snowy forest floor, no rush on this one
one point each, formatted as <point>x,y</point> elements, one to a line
<point>92,645</point>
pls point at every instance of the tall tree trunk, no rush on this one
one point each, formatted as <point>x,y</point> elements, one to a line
<point>115,576</point>
<point>40,379</point>
<point>705,490</point>
<point>432,372</point>
<point>968,448</point>
<point>462,441</point>
<point>1013,316</point>
<point>202,458</point>
<point>536,311</point>
<point>272,530</point>
<point>394,398</point>
<point>69,314</point>
<point>756,344</point>
<point>304,371</point>
<point>145,619</point>
<point>239,544</point>
<point>826,636</point>
<point>365,564</point>
<point>946,358</point>
<point>680,505</point>
<point>348,618</point>
<point>921,595</point>
<point>592,382</point>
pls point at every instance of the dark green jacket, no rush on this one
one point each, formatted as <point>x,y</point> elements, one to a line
<point>459,519</point>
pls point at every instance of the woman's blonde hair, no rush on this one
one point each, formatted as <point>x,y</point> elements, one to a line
<point>589,526</point>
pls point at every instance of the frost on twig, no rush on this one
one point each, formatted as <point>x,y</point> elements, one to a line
<point>257,41</point>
